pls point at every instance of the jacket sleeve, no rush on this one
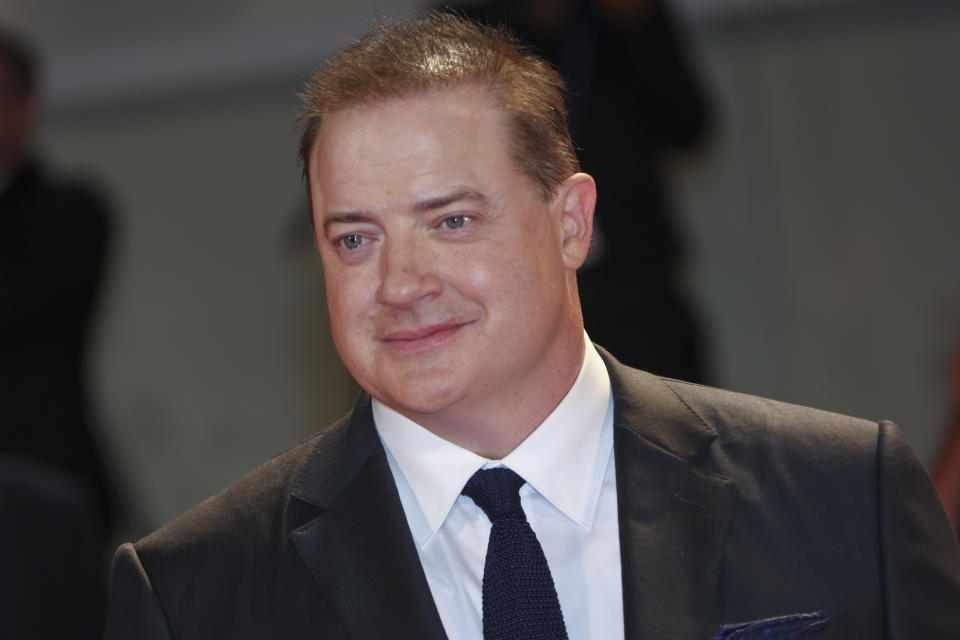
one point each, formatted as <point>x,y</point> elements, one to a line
<point>134,610</point>
<point>919,553</point>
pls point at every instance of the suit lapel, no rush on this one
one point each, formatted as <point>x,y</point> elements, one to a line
<point>673,514</point>
<point>352,534</point>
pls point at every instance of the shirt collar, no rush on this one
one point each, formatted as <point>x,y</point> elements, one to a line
<point>576,437</point>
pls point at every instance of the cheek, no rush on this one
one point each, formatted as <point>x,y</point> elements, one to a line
<point>346,328</point>
<point>509,289</point>
<point>478,276</point>
<point>339,300</point>
<point>351,299</point>
<point>520,268</point>
<point>473,278</point>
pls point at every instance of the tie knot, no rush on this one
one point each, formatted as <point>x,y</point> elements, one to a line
<point>497,492</point>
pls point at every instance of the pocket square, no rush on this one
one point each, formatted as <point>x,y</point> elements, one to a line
<point>800,625</point>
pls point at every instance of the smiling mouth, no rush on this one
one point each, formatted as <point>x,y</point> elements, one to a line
<point>420,338</point>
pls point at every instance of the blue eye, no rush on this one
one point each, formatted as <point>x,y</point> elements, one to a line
<point>352,241</point>
<point>455,222</point>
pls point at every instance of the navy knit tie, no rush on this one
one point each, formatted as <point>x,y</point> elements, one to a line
<point>519,599</point>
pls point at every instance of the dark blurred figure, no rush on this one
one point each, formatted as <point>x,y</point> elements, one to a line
<point>946,469</point>
<point>632,97</point>
<point>51,554</point>
<point>53,239</point>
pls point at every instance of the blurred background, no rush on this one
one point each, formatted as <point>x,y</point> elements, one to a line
<point>819,217</point>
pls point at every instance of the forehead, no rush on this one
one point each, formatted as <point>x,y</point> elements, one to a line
<point>452,134</point>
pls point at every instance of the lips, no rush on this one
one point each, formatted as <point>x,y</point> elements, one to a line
<point>419,338</point>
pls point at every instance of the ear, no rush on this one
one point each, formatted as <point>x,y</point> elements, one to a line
<point>576,199</point>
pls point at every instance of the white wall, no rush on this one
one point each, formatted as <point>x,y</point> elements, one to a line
<point>826,216</point>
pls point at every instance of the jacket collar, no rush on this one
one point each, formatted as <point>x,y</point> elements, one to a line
<point>346,522</point>
<point>673,514</point>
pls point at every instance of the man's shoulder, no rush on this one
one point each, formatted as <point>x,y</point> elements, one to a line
<point>253,509</point>
<point>736,415</point>
<point>254,502</point>
<point>720,417</point>
<point>771,443</point>
<point>735,434</point>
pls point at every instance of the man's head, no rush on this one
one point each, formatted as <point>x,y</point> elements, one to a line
<point>450,267</point>
<point>17,100</point>
<point>440,50</point>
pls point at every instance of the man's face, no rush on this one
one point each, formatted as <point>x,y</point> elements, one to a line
<point>449,279</point>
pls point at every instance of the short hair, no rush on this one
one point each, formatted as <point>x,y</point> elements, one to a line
<point>20,59</point>
<point>440,50</point>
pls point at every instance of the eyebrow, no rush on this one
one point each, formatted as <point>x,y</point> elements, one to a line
<point>346,218</point>
<point>427,204</point>
<point>439,202</point>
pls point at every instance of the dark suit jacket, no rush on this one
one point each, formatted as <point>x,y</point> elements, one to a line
<point>732,508</point>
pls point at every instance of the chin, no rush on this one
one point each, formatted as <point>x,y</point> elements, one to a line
<point>420,398</point>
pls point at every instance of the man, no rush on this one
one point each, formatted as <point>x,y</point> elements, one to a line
<point>451,219</point>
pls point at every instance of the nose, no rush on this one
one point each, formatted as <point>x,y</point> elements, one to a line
<point>407,273</point>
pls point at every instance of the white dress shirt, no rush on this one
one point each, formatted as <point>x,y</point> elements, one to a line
<point>570,500</point>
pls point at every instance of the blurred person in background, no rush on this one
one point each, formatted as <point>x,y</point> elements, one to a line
<point>56,497</point>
